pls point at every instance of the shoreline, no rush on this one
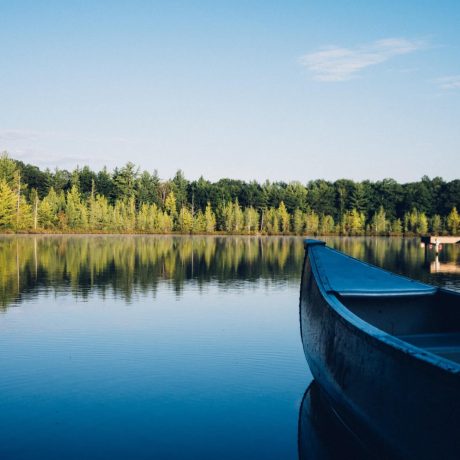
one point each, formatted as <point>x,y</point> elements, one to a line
<point>215,234</point>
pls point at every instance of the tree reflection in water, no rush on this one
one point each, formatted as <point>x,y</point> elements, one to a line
<point>128,265</point>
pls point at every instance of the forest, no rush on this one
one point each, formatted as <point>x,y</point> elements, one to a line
<point>128,200</point>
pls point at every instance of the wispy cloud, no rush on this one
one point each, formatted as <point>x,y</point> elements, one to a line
<point>332,63</point>
<point>449,83</point>
<point>45,159</point>
<point>18,135</point>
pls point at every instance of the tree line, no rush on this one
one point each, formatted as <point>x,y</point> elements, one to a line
<point>127,200</point>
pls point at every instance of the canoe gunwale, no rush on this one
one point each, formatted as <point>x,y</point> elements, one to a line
<point>360,327</point>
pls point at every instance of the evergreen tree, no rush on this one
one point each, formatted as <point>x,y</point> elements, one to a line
<point>228,217</point>
<point>436,225</point>
<point>422,224</point>
<point>299,222</point>
<point>170,205</point>
<point>210,219</point>
<point>311,223</point>
<point>327,225</point>
<point>75,210</point>
<point>379,223</point>
<point>359,200</point>
<point>284,218</point>
<point>251,220</point>
<point>7,206</point>
<point>185,220</point>
<point>396,227</point>
<point>199,222</point>
<point>238,218</point>
<point>8,169</point>
<point>453,222</point>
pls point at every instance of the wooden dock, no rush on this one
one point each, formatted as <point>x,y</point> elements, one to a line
<point>440,239</point>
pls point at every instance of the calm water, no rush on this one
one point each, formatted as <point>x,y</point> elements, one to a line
<point>163,347</point>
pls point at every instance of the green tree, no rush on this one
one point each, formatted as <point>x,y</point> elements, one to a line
<point>210,219</point>
<point>453,222</point>
<point>251,220</point>
<point>76,213</point>
<point>48,210</point>
<point>327,225</point>
<point>185,220</point>
<point>359,199</point>
<point>422,224</point>
<point>284,218</point>
<point>228,217</point>
<point>8,169</point>
<point>238,217</point>
<point>7,206</point>
<point>199,222</point>
<point>271,221</point>
<point>353,223</point>
<point>100,213</point>
<point>379,222</point>
<point>436,224</point>
<point>125,181</point>
<point>179,187</point>
<point>170,205</point>
<point>299,222</point>
<point>396,227</point>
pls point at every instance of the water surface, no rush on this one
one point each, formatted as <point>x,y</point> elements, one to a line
<point>163,347</point>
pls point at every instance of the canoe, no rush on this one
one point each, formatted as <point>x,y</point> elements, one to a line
<point>385,351</point>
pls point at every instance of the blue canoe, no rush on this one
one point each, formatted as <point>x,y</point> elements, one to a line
<point>385,351</point>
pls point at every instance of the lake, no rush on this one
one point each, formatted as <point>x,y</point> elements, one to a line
<point>115,347</point>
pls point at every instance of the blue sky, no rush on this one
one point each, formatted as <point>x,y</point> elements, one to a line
<point>292,90</point>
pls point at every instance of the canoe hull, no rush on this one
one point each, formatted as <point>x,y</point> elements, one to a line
<point>403,406</point>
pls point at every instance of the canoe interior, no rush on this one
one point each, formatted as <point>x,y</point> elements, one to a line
<point>430,322</point>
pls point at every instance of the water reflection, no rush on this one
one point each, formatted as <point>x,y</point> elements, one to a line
<point>130,264</point>
<point>444,267</point>
<point>125,265</point>
<point>322,435</point>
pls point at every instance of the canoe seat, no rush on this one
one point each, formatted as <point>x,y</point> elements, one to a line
<point>446,345</point>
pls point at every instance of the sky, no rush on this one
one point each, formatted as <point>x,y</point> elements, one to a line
<point>292,90</point>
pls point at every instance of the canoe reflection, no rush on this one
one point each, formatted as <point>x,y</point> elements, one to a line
<point>322,435</point>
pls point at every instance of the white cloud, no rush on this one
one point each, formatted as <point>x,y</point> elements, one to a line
<point>332,64</point>
<point>18,135</point>
<point>450,82</point>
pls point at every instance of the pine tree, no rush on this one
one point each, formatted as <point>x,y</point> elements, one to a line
<point>327,225</point>
<point>251,220</point>
<point>422,224</point>
<point>379,223</point>
<point>170,205</point>
<point>238,217</point>
<point>358,198</point>
<point>8,169</point>
<point>7,206</point>
<point>199,222</point>
<point>228,217</point>
<point>185,220</point>
<point>210,219</point>
<point>396,227</point>
<point>76,213</point>
<point>284,218</point>
<point>299,222</point>
<point>311,223</point>
<point>436,225</point>
<point>453,222</point>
